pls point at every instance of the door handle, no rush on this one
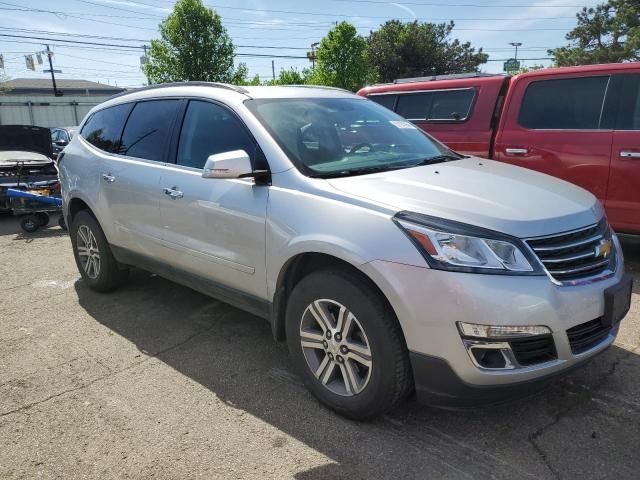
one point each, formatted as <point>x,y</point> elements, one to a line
<point>173,192</point>
<point>630,154</point>
<point>107,177</point>
<point>516,151</point>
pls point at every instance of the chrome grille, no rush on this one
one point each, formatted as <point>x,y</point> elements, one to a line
<point>578,254</point>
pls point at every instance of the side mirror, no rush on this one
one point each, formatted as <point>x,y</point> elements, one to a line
<point>234,164</point>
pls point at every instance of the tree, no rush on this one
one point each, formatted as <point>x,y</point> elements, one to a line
<point>341,59</point>
<point>401,50</point>
<point>194,45</point>
<point>292,77</point>
<point>532,68</point>
<point>3,88</point>
<point>608,33</point>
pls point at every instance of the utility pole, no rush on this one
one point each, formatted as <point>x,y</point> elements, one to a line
<point>515,44</point>
<point>312,54</point>
<point>273,69</point>
<point>56,92</point>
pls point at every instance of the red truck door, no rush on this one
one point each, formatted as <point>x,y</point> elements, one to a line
<point>623,193</point>
<point>551,123</point>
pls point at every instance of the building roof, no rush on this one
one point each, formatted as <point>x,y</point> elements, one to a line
<point>43,86</point>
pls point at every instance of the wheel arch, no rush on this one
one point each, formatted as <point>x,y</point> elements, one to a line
<point>298,267</point>
<point>76,204</point>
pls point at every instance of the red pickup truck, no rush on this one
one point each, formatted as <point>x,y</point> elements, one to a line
<point>581,124</point>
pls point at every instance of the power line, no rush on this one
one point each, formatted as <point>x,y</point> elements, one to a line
<point>294,12</point>
<point>125,39</point>
<point>70,41</point>
<point>118,8</point>
<point>81,15</point>
<point>54,40</point>
<point>474,5</point>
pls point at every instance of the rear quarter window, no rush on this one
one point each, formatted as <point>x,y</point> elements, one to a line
<point>436,106</point>
<point>563,104</point>
<point>385,100</point>
<point>104,127</point>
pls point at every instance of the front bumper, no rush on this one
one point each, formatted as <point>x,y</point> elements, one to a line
<point>437,384</point>
<point>429,303</point>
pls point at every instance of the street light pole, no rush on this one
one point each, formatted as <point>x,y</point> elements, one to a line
<point>516,44</point>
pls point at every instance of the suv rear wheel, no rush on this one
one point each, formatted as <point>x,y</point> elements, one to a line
<point>98,267</point>
<point>347,344</point>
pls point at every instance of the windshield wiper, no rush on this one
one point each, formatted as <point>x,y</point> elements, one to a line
<point>445,157</point>
<point>356,171</point>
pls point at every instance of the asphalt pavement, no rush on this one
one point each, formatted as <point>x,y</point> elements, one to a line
<point>158,381</point>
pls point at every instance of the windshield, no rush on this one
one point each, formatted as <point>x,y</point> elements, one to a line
<point>328,137</point>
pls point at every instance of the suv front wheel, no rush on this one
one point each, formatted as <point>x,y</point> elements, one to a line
<point>99,269</point>
<point>347,344</point>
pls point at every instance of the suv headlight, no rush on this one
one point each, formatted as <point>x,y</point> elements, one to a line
<point>448,245</point>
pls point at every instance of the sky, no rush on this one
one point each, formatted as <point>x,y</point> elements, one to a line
<point>262,30</point>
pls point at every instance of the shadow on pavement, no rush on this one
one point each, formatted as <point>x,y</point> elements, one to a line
<point>585,425</point>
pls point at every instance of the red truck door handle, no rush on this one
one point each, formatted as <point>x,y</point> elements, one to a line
<point>516,151</point>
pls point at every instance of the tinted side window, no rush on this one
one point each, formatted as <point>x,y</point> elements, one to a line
<point>208,129</point>
<point>622,109</point>
<point>384,100</point>
<point>445,105</point>
<point>414,106</point>
<point>104,127</point>
<point>453,105</point>
<point>148,130</point>
<point>565,104</point>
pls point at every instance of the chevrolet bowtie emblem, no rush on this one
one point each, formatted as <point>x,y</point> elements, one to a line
<point>603,249</point>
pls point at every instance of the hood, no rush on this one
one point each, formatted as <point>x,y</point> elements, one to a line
<point>493,195</point>
<point>25,138</point>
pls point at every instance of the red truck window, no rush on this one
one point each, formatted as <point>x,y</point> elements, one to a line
<point>436,106</point>
<point>385,100</point>
<point>564,104</point>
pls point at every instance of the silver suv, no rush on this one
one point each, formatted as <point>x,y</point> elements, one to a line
<point>388,262</point>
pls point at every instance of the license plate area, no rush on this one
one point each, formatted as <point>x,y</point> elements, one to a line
<point>617,301</point>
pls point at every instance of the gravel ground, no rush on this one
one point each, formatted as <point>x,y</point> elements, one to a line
<point>157,381</point>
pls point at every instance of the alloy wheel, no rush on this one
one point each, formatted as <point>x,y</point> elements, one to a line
<point>336,347</point>
<point>88,252</point>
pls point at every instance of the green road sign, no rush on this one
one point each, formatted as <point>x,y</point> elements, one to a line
<point>511,65</point>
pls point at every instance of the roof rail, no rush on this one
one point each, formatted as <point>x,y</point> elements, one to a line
<point>226,86</point>
<point>452,76</point>
<point>324,87</point>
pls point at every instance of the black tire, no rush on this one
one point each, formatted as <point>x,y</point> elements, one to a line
<point>30,223</point>
<point>43,218</point>
<point>110,275</point>
<point>390,379</point>
<point>61,223</point>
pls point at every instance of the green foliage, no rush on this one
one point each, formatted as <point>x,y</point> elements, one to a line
<point>608,33</point>
<point>292,76</point>
<point>194,45</point>
<point>401,50</point>
<point>3,89</point>
<point>341,59</point>
<point>526,69</point>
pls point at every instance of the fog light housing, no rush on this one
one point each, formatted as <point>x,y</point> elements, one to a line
<point>489,357</point>
<point>491,347</point>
